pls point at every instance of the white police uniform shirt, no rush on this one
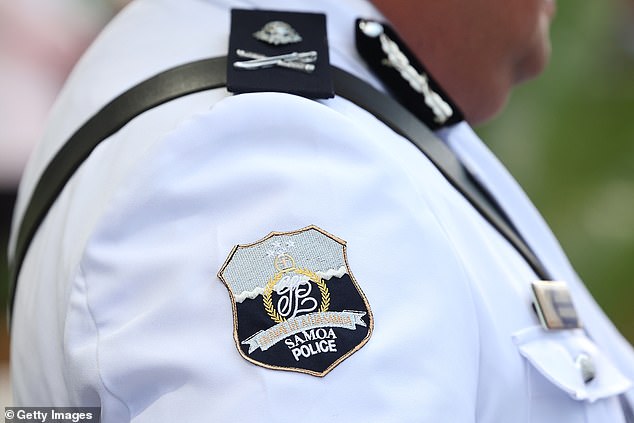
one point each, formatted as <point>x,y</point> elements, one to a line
<point>119,306</point>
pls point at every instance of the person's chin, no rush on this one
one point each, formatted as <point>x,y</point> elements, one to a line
<point>490,103</point>
<point>534,63</point>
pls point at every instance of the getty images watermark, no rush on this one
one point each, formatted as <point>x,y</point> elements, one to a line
<point>52,414</point>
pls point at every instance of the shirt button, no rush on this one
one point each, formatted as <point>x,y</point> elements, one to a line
<point>586,367</point>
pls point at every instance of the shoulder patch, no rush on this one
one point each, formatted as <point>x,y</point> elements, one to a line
<point>275,51</point>
<point>296,305</point>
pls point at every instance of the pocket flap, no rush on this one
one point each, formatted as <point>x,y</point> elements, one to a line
<point>555,354</point>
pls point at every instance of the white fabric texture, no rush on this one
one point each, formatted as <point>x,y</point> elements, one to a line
<point>119,305</point>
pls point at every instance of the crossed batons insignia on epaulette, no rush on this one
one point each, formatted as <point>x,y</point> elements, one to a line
<point>276,33</point>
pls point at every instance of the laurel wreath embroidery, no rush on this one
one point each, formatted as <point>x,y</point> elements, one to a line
<point>268,290</point>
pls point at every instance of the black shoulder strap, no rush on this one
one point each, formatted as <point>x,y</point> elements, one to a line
<point>209,74</point>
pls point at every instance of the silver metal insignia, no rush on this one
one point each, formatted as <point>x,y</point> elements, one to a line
<point>278,32</point>
<point>371,29</point>
<point>297,61</point>
<point>554,306</point>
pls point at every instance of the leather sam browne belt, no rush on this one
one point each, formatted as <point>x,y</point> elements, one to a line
<point>209,74</point>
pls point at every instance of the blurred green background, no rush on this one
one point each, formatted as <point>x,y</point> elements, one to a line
<point>568,137</point>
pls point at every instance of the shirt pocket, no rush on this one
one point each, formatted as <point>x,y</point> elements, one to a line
<point>561,356</point>
<point>562,362</point>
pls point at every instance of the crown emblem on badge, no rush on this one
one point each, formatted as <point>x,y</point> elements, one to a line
<point>278,32</point>
<point>282,260</point>
<point>312,314</point>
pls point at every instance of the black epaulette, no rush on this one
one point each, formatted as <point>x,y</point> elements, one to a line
<point>273,51</point>
<point>404,75</point>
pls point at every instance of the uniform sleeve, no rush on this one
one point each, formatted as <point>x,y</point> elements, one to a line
<point>162,323</point>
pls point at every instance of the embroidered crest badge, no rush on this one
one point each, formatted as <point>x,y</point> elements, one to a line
<point>296,305</point>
